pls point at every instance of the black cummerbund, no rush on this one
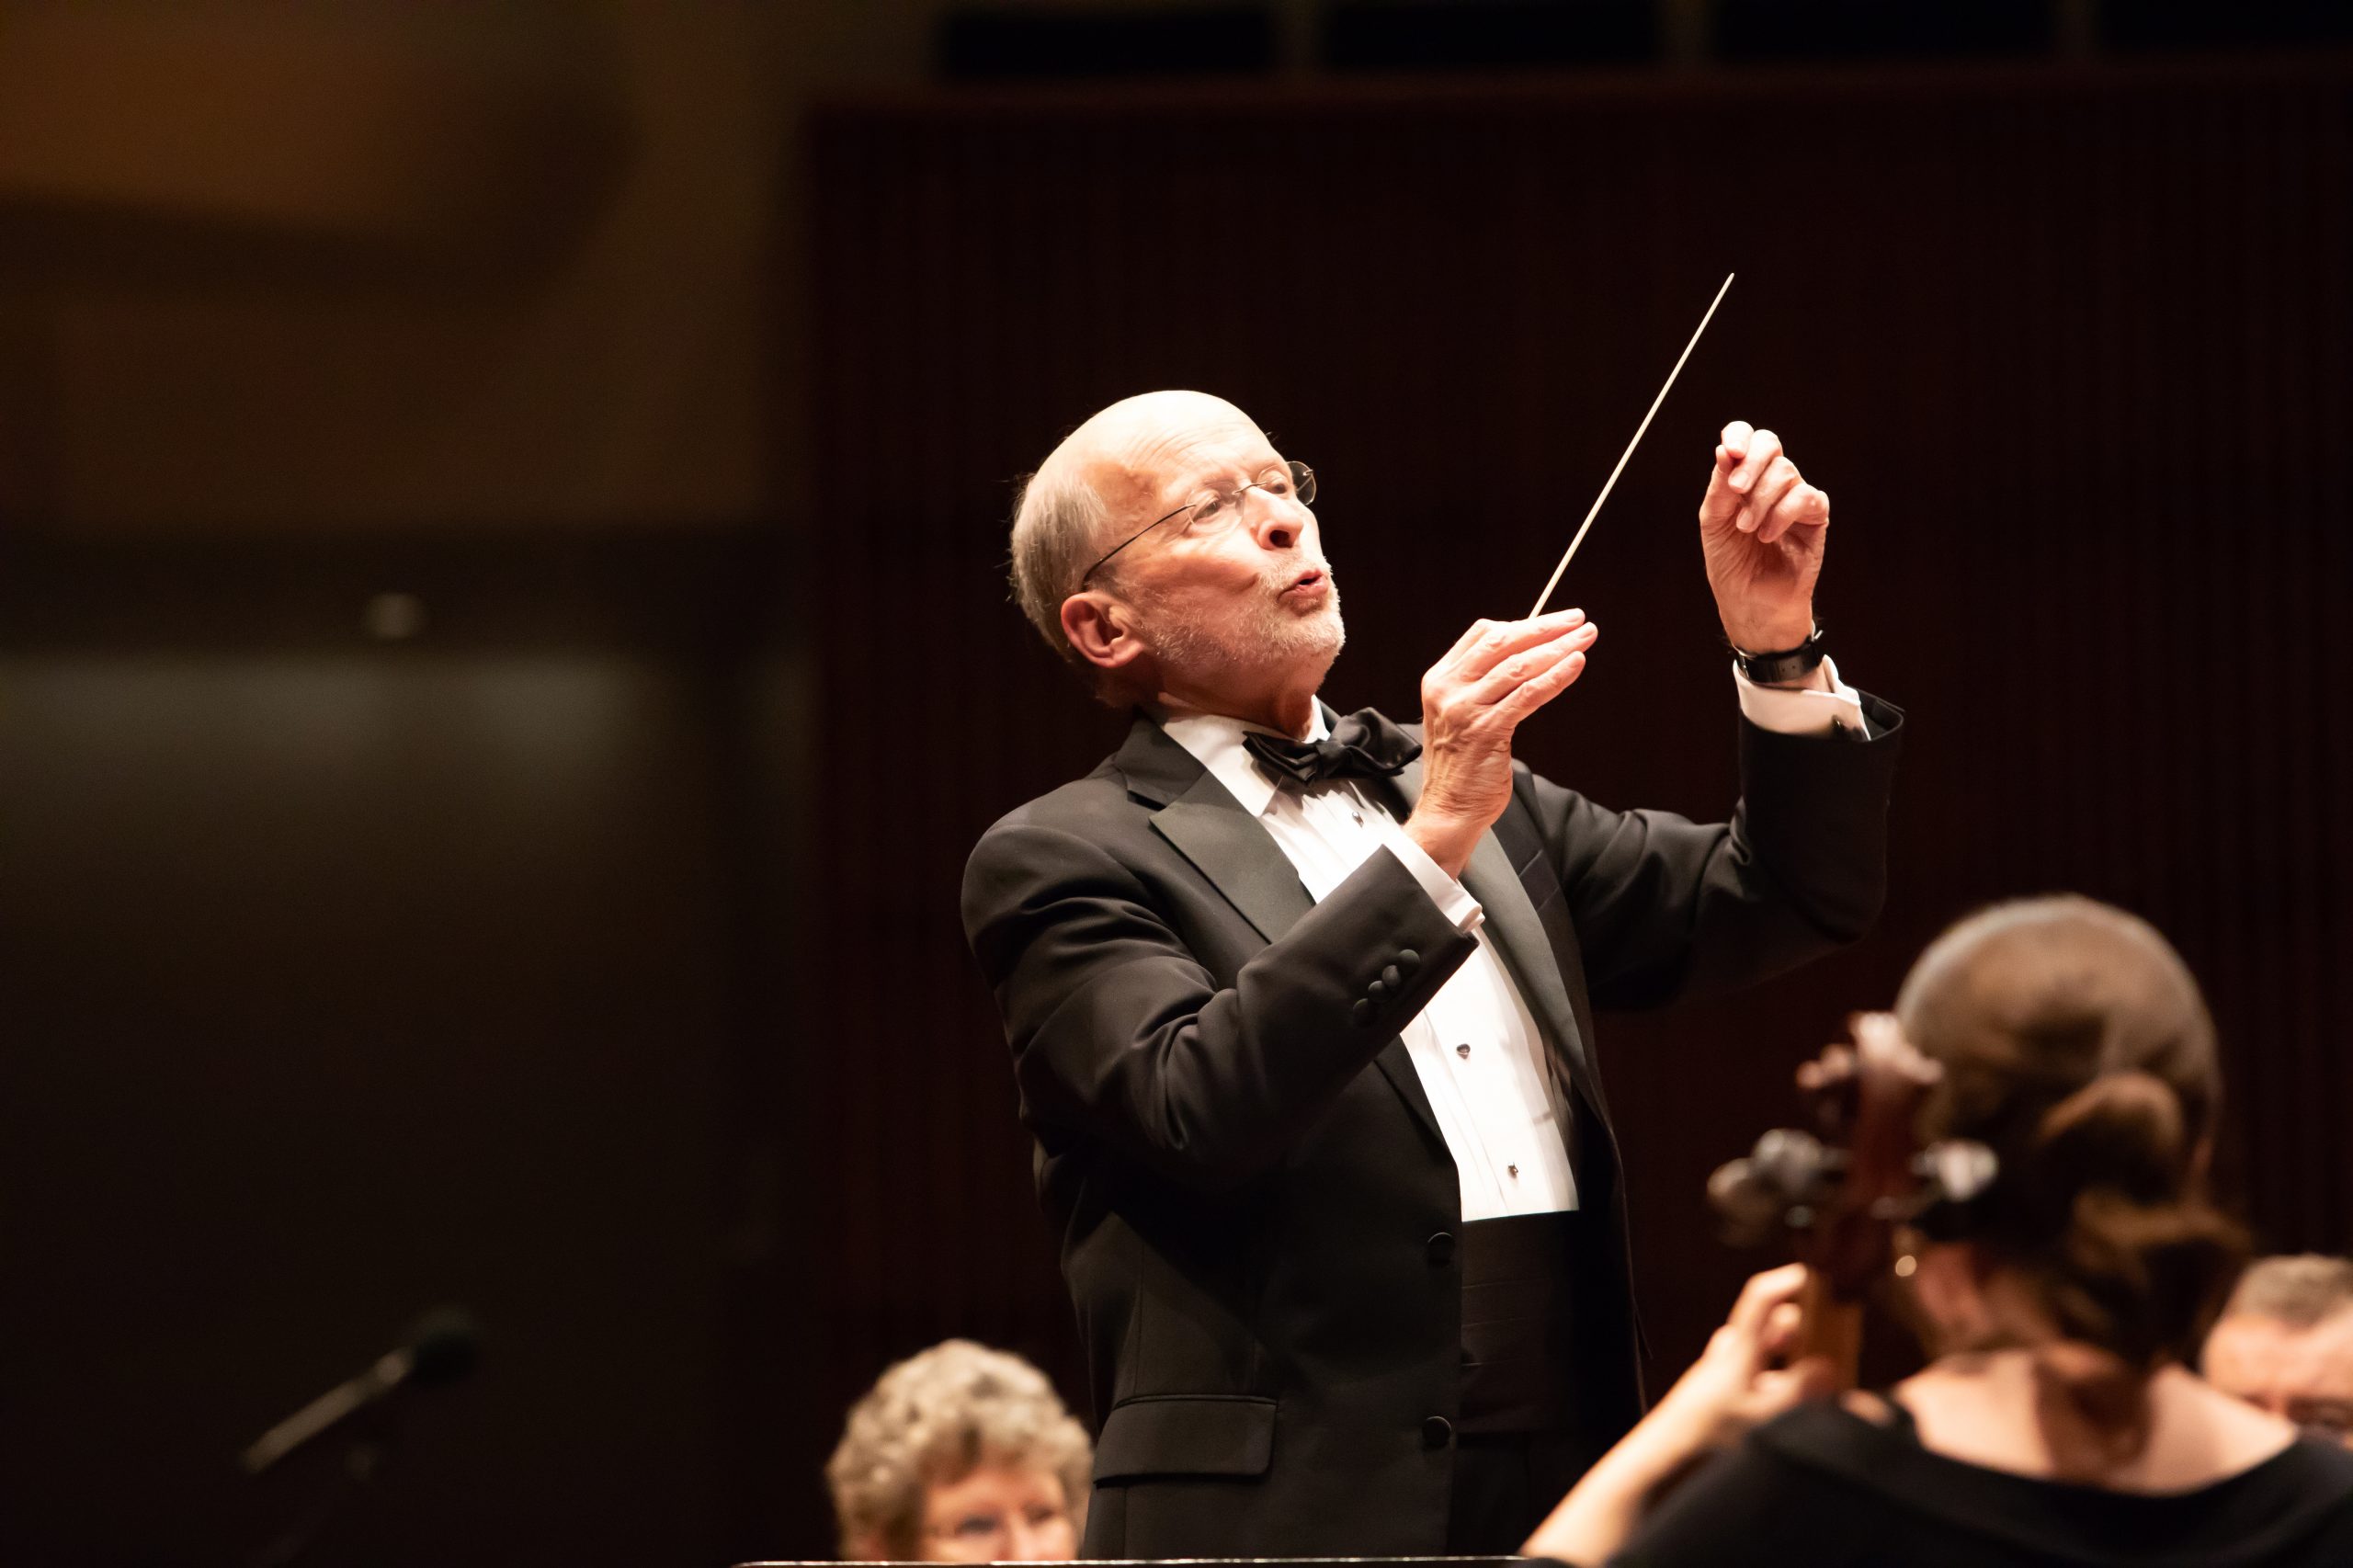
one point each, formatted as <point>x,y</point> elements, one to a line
<point>1519,1281</point>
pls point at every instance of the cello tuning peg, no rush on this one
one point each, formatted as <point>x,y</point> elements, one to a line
<point>1796,1165</point>
<point>1955,1170</point>
<point>1751,1212</point>
<point>1781,1184</point>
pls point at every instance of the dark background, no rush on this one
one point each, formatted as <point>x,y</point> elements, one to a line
<point>503,647</point>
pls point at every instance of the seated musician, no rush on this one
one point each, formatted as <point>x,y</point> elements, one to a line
<point>2057,1422</point>
<point>961,1454</point>
<point>2285,1342</point>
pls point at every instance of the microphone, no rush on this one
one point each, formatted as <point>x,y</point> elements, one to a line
<point>442,1348</point>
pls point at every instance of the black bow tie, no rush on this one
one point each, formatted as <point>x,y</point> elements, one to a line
<point>1363,745</point>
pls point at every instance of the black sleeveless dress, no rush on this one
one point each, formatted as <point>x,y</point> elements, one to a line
<point>1822,1486</point>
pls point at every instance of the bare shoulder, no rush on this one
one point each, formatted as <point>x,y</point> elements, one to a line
<point>2201,1435</point>
<point>1959,1406</point>
<point>1980,1411</point>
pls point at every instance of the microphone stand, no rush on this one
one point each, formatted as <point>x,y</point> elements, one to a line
<point>440,1349</point>
<point>359,1465</point>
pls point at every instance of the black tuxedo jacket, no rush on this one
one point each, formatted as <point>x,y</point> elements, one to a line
<point>1253,1202</point>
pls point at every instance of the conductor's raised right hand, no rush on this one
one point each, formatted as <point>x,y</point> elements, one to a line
<point>1497,674</point>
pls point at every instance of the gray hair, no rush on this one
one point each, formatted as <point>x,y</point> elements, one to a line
<point>1056,522</point>
<point>2301,1291</point>
<point>932,1420</point>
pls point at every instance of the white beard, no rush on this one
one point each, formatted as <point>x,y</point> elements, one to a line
<point>1270,635</point>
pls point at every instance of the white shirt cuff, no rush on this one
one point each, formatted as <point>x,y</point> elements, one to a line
<point>1802,710</point>
<point>1454,899</point>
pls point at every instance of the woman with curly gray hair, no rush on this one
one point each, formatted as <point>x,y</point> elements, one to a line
<point>961,1454</point>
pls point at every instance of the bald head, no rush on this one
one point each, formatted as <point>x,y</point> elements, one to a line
<point>1136,434</point>
<point>1115,466</point>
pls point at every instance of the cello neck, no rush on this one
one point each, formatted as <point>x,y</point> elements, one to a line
<point>1830,1328</point>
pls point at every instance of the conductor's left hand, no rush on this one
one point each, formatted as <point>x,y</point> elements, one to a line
<point>1761,528</point>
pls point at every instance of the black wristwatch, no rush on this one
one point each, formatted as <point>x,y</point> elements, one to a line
<point>1781,668</point>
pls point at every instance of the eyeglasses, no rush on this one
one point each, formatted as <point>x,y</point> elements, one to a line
<point>986,1530</point>
<point>1214,511</point>
<point>2331,1421</point>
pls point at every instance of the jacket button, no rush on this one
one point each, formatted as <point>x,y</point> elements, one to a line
<point>1408,960</point>
<point>1366,1014</point>
<point>1440,1248</point>
<point>1376,991</point>
<point>1391,978</point>
<point>1437,1432</point>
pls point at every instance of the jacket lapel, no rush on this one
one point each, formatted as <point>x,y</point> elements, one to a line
<point>1236,853</point>
<point>1527,952</point>
<point>1240,858</point>
<point>1527,948</point>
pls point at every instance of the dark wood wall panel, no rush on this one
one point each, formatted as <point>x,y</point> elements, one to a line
<point>2069,349</point>
<point>345,978</point>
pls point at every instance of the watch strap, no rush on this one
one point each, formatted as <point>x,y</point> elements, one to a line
<point>1783,665</point>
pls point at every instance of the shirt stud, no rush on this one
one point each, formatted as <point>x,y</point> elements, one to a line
<point>1463,1052</point>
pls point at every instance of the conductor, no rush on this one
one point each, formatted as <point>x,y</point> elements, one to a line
<point>1301,1004</point>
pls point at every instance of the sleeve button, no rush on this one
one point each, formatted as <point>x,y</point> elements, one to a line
<point>1392,977</point>
<point>1367,1012</point>
<point>1408,960</point>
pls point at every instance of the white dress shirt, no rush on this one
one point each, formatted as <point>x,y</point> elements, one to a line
<point>1476,1046</point>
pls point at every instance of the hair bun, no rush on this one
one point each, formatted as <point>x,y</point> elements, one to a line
<point>2120,1131</point>
<point>2076,1044</point>
<point>2141,1259</point>
<point>2144,1279</point>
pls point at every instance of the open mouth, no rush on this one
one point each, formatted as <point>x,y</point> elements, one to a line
<point>1311,580</point>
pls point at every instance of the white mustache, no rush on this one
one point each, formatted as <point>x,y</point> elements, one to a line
<point>1280,580</point>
